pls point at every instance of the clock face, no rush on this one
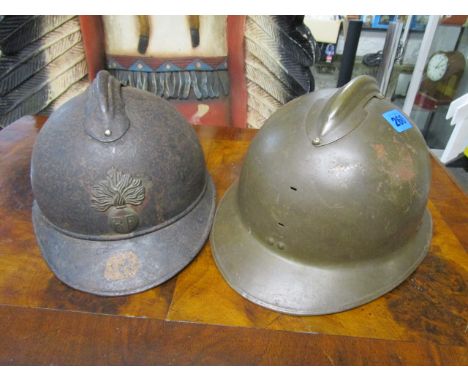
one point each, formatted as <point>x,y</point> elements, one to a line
<point>437,66</point>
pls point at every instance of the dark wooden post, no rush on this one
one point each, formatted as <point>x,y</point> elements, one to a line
<point>92,31</point>
<point>236,68</point>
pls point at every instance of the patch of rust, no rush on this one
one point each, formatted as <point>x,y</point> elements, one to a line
<point>380,151</point>
<point>405,169</point>
<point>121,266</point>
<point>400,173</point>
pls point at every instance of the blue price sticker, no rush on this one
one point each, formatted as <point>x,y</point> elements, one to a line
<point>397,120</point>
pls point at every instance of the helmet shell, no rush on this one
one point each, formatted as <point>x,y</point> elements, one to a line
<point>118,178</point>
<point>349,200</point>
<point>79,179</point>
<point>328,185</point>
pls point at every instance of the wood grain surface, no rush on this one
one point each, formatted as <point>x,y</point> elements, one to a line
<point>196,318</point>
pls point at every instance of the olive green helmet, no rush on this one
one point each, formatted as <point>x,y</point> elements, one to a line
<point>330,208</point>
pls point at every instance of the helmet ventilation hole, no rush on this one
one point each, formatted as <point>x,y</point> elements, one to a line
<point>280,224</point>
<point>293,188</point>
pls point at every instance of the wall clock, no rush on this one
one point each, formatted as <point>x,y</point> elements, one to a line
<point>440,82</point>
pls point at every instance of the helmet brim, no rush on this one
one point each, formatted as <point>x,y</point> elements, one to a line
<point>122,267</point>
<point>262,276</point>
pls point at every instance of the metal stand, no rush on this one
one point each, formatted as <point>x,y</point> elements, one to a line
<point>349,52</point>
<point>389,54</point>
<point>420,63</point>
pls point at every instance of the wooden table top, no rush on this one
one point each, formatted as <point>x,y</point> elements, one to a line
<point>196,318</point>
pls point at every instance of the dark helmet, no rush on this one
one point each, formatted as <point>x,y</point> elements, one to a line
<point>123,200</point>
<point>330,208</point>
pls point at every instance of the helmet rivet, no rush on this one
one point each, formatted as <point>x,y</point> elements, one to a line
<point>107,133</point>
<point>316,141</point>
<point>270,240</point>
<point>280,245</point>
